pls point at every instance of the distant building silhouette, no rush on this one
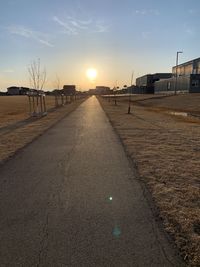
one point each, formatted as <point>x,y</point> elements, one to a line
<point>23,90</point>
<point>3,93</point>
<point>15,90</point>
<point>92,91</point>
<point>69,89</point>
<point>145,84</point>
<point>102,90</point>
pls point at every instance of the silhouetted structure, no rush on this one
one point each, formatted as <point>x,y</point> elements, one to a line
<point>133,89</point>
<point>145,84</point>
<point>69,89</point>
<point>102,90</point>
<point>23,90</point>
<point>92,92</point>
<point>15,90</point>
<point>3,93</point>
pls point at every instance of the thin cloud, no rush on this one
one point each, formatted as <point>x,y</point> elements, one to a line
<point>78,25</point>
<point>8,71</point>
<point>101,27</point>
<point>85,22</point>
<point>30,34</point>
<point>69,29</point>
<point>146,35</point>
<point>144,12</point>
<point>74,26</point>
<point>141,12</point>
<point>189,30</point>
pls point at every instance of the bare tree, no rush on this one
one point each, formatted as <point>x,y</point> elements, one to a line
<point>37,75</point>
<point>57,82</point>
<point>57,93</point>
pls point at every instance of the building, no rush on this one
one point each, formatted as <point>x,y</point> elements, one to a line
<point>145,84</point>
<point>92,91</point>
<point>3,93</point>
<point>133,89</point>
<point>187,68</point>
<point>23,90</point>
<point>13,90</point>
<point>187,80</point>
<point>102,90</point>
<point>183,84</point>
<point>69,89</point>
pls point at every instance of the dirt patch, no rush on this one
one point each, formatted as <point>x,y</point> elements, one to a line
<point>18,137</point>
<point>166,151</point>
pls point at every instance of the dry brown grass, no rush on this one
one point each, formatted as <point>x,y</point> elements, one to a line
<point>16,108</point>
<point>17,138</point>
<point>166,150</point>
<point>182,102</point>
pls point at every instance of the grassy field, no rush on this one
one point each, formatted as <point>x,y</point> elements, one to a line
<point>166,152</point>
<point>180,102</point>
<point>13,110</point>
<point>185,102</point>
<point>16,108</point>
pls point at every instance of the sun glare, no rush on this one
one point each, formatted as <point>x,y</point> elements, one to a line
<point>91,73</point>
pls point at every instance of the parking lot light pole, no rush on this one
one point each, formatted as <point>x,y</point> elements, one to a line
<point>177,53</point>
<point>129,97</point>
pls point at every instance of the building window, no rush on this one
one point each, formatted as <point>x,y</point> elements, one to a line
<point>195,83</point>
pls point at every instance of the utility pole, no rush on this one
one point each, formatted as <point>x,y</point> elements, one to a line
<point>129,98</point>
<point>177,53</point>
<point>115,89</point>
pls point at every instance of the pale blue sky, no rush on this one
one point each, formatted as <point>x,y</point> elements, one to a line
<point>116,37</point>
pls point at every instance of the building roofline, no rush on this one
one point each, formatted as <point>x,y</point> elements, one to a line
<point>187,62</point>
<point>157,73</point>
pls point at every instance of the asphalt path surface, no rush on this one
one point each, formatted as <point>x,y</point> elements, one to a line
<point>71,199</point>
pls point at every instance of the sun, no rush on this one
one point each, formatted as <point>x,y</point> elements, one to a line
<point>91,73</point>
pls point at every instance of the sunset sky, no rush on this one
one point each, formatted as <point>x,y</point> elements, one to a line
<point>113,36</point>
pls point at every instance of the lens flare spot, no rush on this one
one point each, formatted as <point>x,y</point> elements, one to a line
<point>116,231</point>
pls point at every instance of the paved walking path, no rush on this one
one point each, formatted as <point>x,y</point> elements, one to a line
<point>70,199</point>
